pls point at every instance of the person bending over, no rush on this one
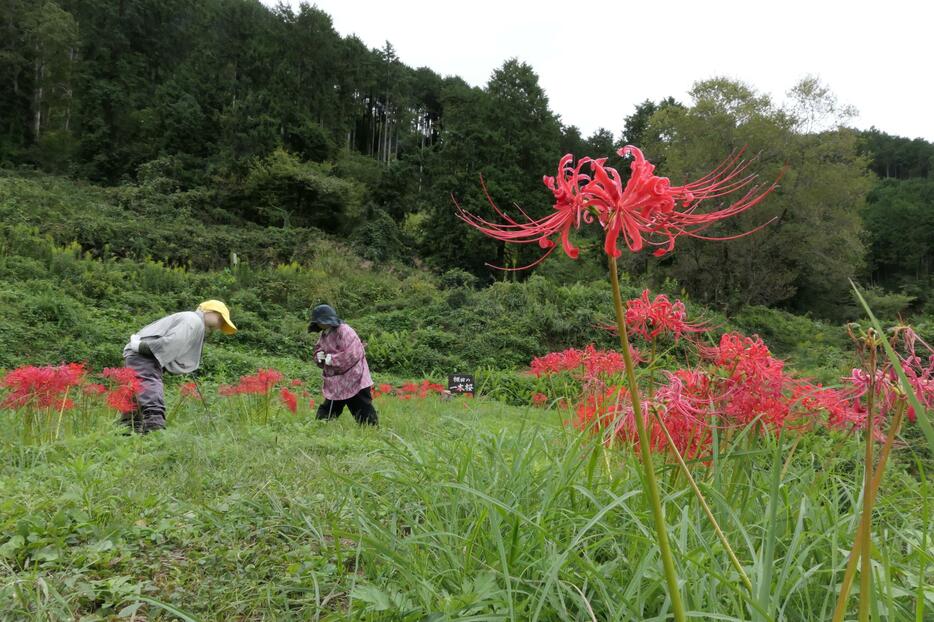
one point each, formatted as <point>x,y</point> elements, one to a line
<point>341,356</point>
<point>172,344</point>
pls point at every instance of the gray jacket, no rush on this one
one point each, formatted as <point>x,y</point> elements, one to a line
<point>175,340</point>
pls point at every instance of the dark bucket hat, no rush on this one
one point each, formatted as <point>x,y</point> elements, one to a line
<point>323,314</point>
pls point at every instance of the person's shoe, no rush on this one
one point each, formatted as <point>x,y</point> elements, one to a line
<point>133,425</point>
<point>152,422</point>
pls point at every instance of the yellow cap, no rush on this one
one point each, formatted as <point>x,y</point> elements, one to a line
<point>219,307</point>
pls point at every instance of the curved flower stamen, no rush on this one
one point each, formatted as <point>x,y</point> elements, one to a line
<point>648,210</point>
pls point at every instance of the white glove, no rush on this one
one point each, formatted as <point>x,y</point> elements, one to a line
<point>134,343</point>
<point>327,359</point>
<point>319,356</point>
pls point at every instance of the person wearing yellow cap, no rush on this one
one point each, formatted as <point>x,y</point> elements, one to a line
<point>172,344</point>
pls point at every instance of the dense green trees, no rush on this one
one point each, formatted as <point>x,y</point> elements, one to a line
<point>804,257</point>
<point>249,114</point>
<point>899,217</point>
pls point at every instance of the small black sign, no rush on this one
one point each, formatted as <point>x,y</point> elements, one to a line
<point>461,383</point>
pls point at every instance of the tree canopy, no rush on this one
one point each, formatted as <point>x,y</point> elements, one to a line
<point>268,115</point>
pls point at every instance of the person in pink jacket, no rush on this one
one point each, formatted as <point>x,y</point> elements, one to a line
<point>340,355</point>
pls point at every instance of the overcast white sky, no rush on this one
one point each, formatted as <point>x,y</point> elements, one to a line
<point>597,60</point>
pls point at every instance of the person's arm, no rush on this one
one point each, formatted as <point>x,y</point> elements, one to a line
<point>144,349</point>
<point>318,351</point>
<point>350,354</point>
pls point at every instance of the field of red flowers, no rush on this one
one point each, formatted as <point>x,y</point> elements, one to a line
<point>711,403</point>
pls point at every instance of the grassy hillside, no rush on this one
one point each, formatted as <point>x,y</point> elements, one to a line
<point>484,509</point>
<point>82,267</point>
<point>452,510</point>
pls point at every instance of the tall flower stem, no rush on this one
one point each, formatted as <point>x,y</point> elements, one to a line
<point>668,563</point>
<point>61,415</point>
<point>865,571</point>
<point>700,497</point>
<point>856,552</point>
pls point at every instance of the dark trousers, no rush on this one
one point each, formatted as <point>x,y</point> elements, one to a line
<point>150,412</point>
<point>360,405</point>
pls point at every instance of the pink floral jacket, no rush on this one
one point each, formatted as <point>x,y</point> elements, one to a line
<point>348,372</point>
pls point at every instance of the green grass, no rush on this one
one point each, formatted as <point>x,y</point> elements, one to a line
<point>451,510</point>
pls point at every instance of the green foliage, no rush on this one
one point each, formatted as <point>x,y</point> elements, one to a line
<point>452,509</point>
<point>282,190</point>
<point>899,217</point>
<point>888,306</point>
<point>140,222</point>
<point>819,349</point>
<point>506,134</point>
<point>805,255</point>
<point>69,300</point>
<point>897,157</point>
<point>379,238</point>
<point>235,112</point>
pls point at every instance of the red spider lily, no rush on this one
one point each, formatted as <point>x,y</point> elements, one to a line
<point>648,205</point>
<point>289,399</point>
<point>311,404</point>
<point>847,408</point>
<point>745,384</point>
<point>260,383</point>
<point>593,368</point>
<point>422,389</point>
<point>600,409</point>
<point>189,389</point>
<point>94,389</point>
<point>651,318</point>
<point>590,363</point>
<point>852,413</point>
<point>648,210</point>
<point>427,387</point>
<point>409,390</point>
<point>920,374</point>
<point>742,354</point>
<point>382,389</point>
<point>683,404</point>
<point>753,383</point>
<point>42,387</point>
<point>123,397</point>
<point>843,412</point>
<point>296,382</point>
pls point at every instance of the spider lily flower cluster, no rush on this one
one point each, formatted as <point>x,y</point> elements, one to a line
<point>646,211</point>
<point>651,318</point>
<point>61,400</point>
<point>259,389</point>
<point>737,383</point>
<point>260,383</point>
<point>42,387</point>
<point>587,364</point>
<point>410,390</point>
